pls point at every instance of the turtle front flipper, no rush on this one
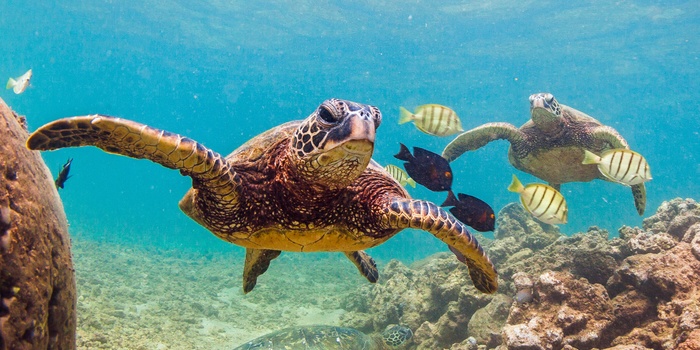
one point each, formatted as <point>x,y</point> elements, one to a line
<point>114,135</point>
<point>408,213</point>
<point>365,264</point>
<point>256,263</point>
<point>615,140</point>
<point>478,137</point>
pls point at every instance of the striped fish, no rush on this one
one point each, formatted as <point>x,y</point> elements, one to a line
<point>621,165</point>
<point>399,175</point>
<point>433,119</point>
<point>543,202</point>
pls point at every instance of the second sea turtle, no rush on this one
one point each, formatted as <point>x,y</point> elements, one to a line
<point>329,338</point>
<point>551,145</point>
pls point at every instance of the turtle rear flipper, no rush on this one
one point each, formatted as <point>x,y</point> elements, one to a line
<point>640,197</point>
<point>365,264</point>
<point>114,135</point>
<point>256,263</point>
<point>409,213</point>
<point>480,136</point>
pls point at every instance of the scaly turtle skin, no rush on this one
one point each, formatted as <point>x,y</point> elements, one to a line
<point>328,338</point>
<point>303,186</point>
<point>551,145</point>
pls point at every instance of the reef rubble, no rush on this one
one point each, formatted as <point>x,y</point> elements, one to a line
<point>640,290</point>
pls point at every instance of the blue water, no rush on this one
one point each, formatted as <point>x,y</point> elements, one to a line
<point>221,72</point>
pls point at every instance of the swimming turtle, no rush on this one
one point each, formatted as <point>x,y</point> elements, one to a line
<point>303,186</point>
<point>551,145</point>
<point>328,338</point>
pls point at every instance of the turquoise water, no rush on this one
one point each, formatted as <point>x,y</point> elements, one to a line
<point>221,72</point>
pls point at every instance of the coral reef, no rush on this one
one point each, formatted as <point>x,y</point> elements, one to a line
<point>37,285</point>
<point>640,290</point>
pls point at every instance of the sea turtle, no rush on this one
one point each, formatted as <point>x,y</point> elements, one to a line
<point>551,145</point>
<point>302,186</point>
<point>328,338</point>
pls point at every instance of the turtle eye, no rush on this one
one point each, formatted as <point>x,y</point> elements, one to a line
<point>549,98</point>
<point>326,115</point>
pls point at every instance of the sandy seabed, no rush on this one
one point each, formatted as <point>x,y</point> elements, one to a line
<point>132,297</point>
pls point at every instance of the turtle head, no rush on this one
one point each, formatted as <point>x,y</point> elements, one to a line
<point>545,111</point>
<point>334,144</point>
<point>395,335</point>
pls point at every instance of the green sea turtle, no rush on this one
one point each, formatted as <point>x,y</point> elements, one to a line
<point>328,338</point>
<point>551,145</point>
<point>303,186</point>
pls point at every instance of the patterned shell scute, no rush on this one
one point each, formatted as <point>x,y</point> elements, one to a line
<point>311,338</point>
<point>256,147</point>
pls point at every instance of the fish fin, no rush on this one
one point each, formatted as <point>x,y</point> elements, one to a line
<point>590,158</point>
<point>404,154</point>
<point>10,83</point>
<point>516,186</point>
<point>450,201</point>
<point>411,182</point>
<point>405,115</point>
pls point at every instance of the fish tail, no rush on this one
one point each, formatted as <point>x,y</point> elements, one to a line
<point>411,182</point>
<point>10,83</point>
<point>516,186</point>
<point>405,115</point>
<point>404,154</point>
<point>590,158</point>
<point>450,201</point>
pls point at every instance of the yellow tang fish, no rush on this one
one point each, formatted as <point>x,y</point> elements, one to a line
<point>621,165</point>
<point>20,84</point>
<point>433,119</point>
<point>543,202</point>
<point>399,175</point>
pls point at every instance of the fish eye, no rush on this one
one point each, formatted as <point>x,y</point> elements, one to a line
<point>326,115</point>
<point>448,174</point>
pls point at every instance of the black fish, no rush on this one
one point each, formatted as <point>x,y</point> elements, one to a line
<point>427,168</point>
<point>471,211</point>
<point>63,174</point>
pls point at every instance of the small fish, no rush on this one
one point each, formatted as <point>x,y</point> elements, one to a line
<point>63,174</point>
<point>471,211</point>
<point>433,119</point>
<point>543,202</point>
<point>427,168</point>
<point>621,165</point>
<point>399,175</point>
<point>20,84</point>
<point>524,296</point>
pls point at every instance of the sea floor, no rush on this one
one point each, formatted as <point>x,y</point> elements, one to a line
<point>132,297</point>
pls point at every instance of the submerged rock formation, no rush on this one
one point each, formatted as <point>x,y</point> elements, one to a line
<point>37,284</point>
<point>640,290</point>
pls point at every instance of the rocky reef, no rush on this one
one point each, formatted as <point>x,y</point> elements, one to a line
<point>640,290</point>
<point>37,284</point>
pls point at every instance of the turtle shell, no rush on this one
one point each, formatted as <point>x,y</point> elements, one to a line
<point>311,338</point>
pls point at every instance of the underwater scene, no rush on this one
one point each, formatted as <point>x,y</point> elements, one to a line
<point>533,180</point>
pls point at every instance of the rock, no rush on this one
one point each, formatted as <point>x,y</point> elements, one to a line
<point>486,323</point>
<point>662,220</point>
<point>37,284</point>
<point>569,311</point>
<point>514,221</point>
